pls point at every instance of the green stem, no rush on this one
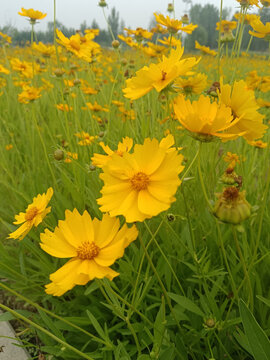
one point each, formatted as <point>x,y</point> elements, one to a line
<point>201,179</point>
<point>161,284</point>
<point>219,36</point>
<point>165,258</point>
<point>249,43</point>
<point>51,313</point>
<point>242,260</point>
<point>48,333</point>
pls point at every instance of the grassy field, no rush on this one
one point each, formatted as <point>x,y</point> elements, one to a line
<point>193,281</point>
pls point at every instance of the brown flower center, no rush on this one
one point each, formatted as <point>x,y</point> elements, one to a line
<point>31,213</point>
<point>231,193</point>
<point>87,250</point>
<point>139,181</point>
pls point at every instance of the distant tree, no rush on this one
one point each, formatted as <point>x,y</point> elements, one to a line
<point>114,21</point>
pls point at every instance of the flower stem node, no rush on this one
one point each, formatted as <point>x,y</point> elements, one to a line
<point>232,206</point>
<point>170,217</point>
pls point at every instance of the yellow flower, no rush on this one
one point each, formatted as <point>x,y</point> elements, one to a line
<point>29,93</point>
<point>170,41</point>
<point>205,49</point>
<point>203,119</point>
<point>260,30</point>
<point>25,68</point>
<point>174,25</point>
<point>191,85</point>
<point>32,14</point>
<point>139,33</point>
<point>258,144</point>
<point>45,50</point>
<point>158,76</point>
<point>142,184</point>
<point>248,18</point>
<point>248,3</point>
<point>96,107</point>
<point>33,215</point>
<point>9,147</point>
<point>5,37</point>
<point>92,245</point>
<point>64,107</point>
<point>4,70</point>
<point>100,160</point>
<point>232,159</point>
<point>86,138</point>
<point>243,104</point>
<point>226,26</point>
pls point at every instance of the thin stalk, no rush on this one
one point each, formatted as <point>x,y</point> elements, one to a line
<point>161,284</point>
<point>48,333</point>
<point>219,36</point>
<point>242,260</point>
<point>201,179</point>
<point>30,302</point>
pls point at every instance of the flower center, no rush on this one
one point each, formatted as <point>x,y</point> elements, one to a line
<point>75,45</point>
<point>31,213</point>
<point>140,181</point>
<point>87,250</point>
<point>231,193</point>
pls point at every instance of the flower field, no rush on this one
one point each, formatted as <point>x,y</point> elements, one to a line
<point>134,185</point>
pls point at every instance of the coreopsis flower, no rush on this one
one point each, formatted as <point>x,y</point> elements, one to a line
<point>45,50</point>
<point>226,26</point>
<point>32,14</point>
<point>248,3</point>
<point>205,49</point>
<point>243,105</point>
<point>96,107</point>
<point>154,50</point>
<point>158,76</point>
<point>79,46</point>
<point>171,41</point>
<point>141,184</point>
<point>173,25</point>
<point>3,70</point>
<point>124,146</point>
<point>260,30</point>
<point>9,147</point>
<point>232,206</point>
<point>128,40</point>
<point>86,139</point>
<point>263,103</point>
<point>191,85</point>
<point>258,144</point>
<point>247,18</point>
<point>203,119</point>
<point>139,34</point>
<point>5,38</point>
<point>91,245</point>
<point>29,93</point>
<point>70,156</point>
<point>24,68</point>
<point>33,215</point>
<point>232,159</point>
<point>64,107</point>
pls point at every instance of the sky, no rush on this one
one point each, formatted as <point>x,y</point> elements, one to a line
<point>135,13</point>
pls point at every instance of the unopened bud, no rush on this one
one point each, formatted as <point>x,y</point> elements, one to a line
<point>58,154</point>
<point>59,72</point>
<point>115,44</point>
<point>232,206</point>
<point>170,8</point>
<point>102,3</point>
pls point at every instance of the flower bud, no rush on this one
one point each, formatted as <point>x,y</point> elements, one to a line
<point>210,323</point>
<point>76,82</point>
<point>170,8</point>
<point>170,217</point>
<point>124,61</point>
<point>115,44</point>
<point>232,206</point>
<point>185,19</point>
<point>58,154</point>
<point>102,3</point>
<point>59,72</point>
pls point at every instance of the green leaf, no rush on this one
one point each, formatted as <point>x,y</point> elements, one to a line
<point>186,304</point>
<point>96,325</point>
<point>257,339</point>
<point>264,300</point>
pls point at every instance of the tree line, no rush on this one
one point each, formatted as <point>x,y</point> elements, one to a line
<point>205,16</point>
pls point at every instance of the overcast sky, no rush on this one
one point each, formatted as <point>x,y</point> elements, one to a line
<point>72,13</point>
